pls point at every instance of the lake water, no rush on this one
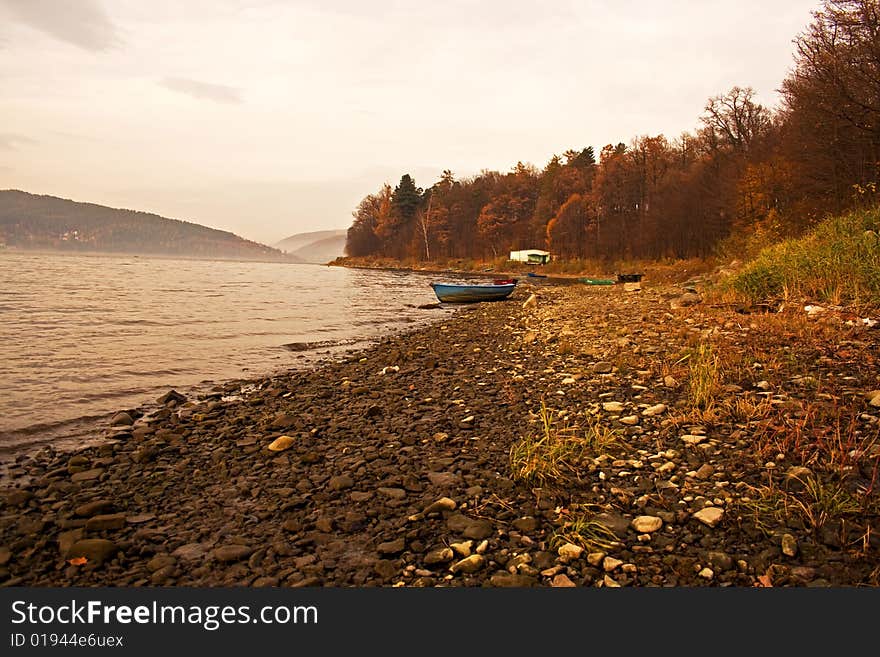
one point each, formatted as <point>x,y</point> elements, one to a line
<point>82,336</point>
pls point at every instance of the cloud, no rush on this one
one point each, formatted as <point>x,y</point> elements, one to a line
<point>10,142</point>
<point>83,23</point>
<point>203,90</point>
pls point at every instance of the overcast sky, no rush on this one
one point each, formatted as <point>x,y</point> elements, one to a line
<point>272,117</point>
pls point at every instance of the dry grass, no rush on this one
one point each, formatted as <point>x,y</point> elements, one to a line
<point>704,379</point>
<point>585,532</point>
<point>557,453</point>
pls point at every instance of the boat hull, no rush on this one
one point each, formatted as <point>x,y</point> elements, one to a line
<point>448,293</point>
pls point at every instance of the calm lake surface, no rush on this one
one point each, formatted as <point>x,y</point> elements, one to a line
<point>82,336</point>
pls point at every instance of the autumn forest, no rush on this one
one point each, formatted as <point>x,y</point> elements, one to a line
<point>747,175</point>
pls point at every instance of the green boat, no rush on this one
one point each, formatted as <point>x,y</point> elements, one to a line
<point>597,281</point>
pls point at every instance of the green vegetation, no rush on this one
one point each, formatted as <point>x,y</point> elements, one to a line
<point>837,262</point>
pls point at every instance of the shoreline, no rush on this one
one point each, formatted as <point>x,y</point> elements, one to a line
<point>400,466</point>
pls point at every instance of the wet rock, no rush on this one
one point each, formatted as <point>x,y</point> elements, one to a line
<point>171,397</point>
<point>121,419</point>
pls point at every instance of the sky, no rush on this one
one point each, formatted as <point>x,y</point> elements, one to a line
<point>273,117</point>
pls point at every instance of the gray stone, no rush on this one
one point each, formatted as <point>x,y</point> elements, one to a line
<point>17,497</point>
<point>510,580</point>
<point>229,553</point>
<point>478,529</point>
<point>87,475</point>
<point>396,546</point>
<point>443,555</point>
<point>105,522</point>
<point>93,508</point>
<point>340,482</point>
<point>526,524</point>
<point>160,561</point>
<point>96,550</point>
<point>720,561</point>
<point>393,493</point>
<point>190,552</point>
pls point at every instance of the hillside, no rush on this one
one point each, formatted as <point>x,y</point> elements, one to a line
<point>30,221</point>
<point>323,250</point>
<point>317,246</point>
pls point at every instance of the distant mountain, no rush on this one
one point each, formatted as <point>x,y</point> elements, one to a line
<point>29,221</point>
<point>318,246</point>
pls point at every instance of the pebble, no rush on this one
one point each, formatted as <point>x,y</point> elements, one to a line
<point>710,515</point>
<point>340,482</point>
<point>610,564</point>
<point>443,555</point>
<point>657,409</point>
<point>629,420</point>
<point>570,551</point>
<point>462,549</point>
<point>443,504</point>
<point>469,564</point>
<point>562,581</point>
<point>612,406</point>
<point>281,443</point>
<point>228,553</point>
<point>789,545</point>
<point>707,573</point>
<point>396,546</point>
<point>647,524</point>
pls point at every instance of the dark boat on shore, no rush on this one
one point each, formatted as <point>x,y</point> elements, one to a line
<point>454,293</point>
<point>532,274</point>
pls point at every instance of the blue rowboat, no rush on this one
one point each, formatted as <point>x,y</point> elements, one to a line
<point>532,274</point>
<point>451,293</point>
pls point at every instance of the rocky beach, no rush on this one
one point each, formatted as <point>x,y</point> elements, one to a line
<point>573,435</point>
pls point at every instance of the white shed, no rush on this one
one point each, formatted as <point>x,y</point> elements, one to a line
<point>532,256</point>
